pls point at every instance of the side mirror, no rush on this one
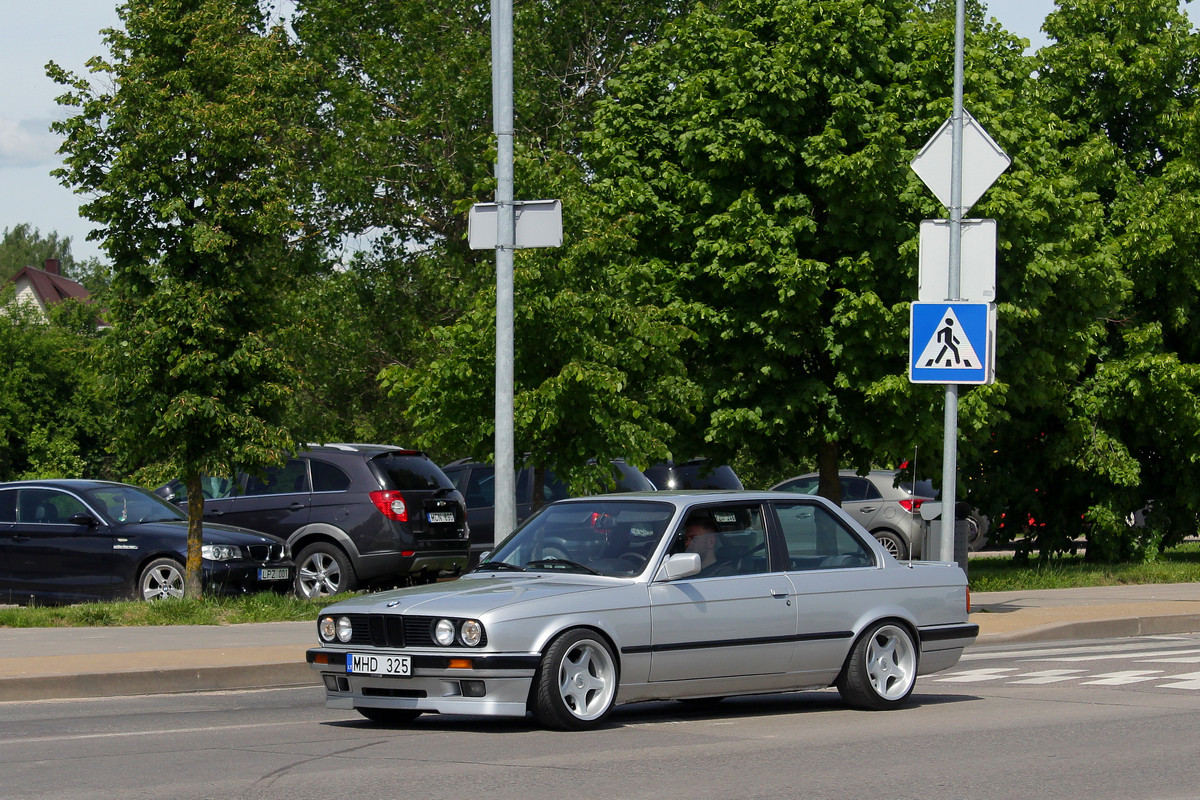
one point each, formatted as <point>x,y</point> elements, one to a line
<point>80,518</point>
<point>680,565</point>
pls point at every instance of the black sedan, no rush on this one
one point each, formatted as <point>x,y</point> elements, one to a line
<point>66,541</point>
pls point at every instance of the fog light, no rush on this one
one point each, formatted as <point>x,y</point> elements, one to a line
<point>472,688</point>
<point>330,682</point>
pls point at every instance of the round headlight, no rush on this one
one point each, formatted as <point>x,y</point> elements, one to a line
<point>443,632</point>
<point>344,629</point>
<point>472,633</point>
<point>327,629</point>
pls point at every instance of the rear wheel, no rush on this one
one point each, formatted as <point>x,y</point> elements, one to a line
<point>389,716</point>
<point>576,683</point>
<point>162,578</point>
<point>881,670</point>
<point>322,569</point>
<point>893,543</point>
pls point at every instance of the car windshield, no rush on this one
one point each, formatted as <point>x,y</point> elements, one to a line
<point>128,505</point>
<point>599,537</point>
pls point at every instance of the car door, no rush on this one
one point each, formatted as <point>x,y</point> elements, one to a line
<point>861,500</point>
<point>833,572</point>
<point>277,501</point>
<point>733,625</point>
<point>54,559</point>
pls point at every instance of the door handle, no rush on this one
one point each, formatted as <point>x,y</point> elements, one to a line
<point>215,513</point>
<point>21,539</point>
<point>868,509</point>
<point>780,593</point>
<point>296,506</point>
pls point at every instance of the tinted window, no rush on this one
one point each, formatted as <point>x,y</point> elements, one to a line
<point>806,485</point>
<point>411,472</point>
<point>480,491</point>
<point>857,489</point>
<point>47,506</point>
<point>328,478</point>
<point>129,504</point>
<point>8,506</point>
<point>817,540</point>
<point>705,476</point>
<point>290,478</point>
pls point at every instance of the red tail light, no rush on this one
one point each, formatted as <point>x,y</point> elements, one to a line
<point>912,504</point>
<point>391,504</point>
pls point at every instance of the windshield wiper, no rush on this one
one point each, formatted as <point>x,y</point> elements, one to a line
<point>556,562</point>
<point>499,566</point>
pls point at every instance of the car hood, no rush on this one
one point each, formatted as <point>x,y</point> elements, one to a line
<point>214,533</point>
<point>473,597</point>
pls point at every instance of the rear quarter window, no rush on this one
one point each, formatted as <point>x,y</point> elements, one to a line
<point>410,472</point>
<point>8,506</point>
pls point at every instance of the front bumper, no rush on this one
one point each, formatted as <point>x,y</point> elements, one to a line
<point>243,577</point>
<point>492,685</point>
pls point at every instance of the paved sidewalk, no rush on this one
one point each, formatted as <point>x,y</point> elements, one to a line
<point>49,663</point>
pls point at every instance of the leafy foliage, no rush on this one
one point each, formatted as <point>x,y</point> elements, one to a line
<point>192,152</point>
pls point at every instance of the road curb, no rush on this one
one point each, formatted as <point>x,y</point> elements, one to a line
<point>1116,628</point>
<point>157,681</point>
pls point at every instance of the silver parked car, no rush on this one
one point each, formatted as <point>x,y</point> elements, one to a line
<point>623,598</point>
<point>887,505</point>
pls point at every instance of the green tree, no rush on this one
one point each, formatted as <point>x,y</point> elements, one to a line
<point>597,371</point>
<point>53,422</point>
<point>761,152</point>
<point>408,147</point>
<point>192,151</point>
<point>24,246</point>
<point>1123,78</point>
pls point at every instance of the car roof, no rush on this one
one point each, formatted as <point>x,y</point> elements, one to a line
<point>361,448</point>
<point>66,483</point>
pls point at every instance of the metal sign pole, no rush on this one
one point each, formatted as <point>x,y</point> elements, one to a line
<point>505,515</point>
<point>950,434</point>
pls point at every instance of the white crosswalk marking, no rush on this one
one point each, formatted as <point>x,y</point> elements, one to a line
<point>1122,678</point>
<point>1188,680</point>
<point>1149,654</point>
<point>1049,676</point>
<point>975,675</point>
<point>1187,660</point>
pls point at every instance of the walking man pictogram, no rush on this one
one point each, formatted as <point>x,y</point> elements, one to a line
<point>949,342</point>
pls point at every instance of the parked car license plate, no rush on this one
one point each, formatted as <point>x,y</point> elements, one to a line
<point>379,665</point>
<point>441,516</point>
<point>275,574</point>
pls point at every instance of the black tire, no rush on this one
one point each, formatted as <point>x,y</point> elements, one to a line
<point>881,670</point>
<point>160,579</point>
<point>892,542</point>
<point>576,683</point>
<point>389,716</point>
<point>322,570</point>
<point>977,531</point>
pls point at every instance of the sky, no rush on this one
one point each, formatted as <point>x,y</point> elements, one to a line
<point>68,33</point>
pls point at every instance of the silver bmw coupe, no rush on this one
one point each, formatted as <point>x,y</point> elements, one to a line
<point>597,601</point>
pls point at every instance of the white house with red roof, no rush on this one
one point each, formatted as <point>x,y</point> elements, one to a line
<point>46,286</point>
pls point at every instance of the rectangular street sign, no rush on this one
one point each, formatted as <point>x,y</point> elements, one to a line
<point>977,273</point>
<point>952,343</point>
<point>538,223</point>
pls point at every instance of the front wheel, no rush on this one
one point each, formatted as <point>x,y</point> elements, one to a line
<point>576,683</point>
<point>881,670</point>
<point>162,578</point>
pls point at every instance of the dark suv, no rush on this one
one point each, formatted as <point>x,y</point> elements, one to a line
<point>354,515</point>
<point>477,483</point>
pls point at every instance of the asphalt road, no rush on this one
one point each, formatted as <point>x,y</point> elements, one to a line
<point>1106,720</point>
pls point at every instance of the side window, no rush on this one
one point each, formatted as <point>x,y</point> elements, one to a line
<point>554,489</point>
<point>481,488</point>
<point>817,540</point>
<point>8,506</point>
<point>47,506</point>
<point>328,478</point>
<point>731,540</point>
<point>853,488</point>
<point>801,486</point>
<point>291,477</point>
<point>217,488</point>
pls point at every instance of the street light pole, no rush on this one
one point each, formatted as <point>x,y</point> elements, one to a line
<point>505,514</point>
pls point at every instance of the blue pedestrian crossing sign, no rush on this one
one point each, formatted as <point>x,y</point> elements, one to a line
<point>952,343</point>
